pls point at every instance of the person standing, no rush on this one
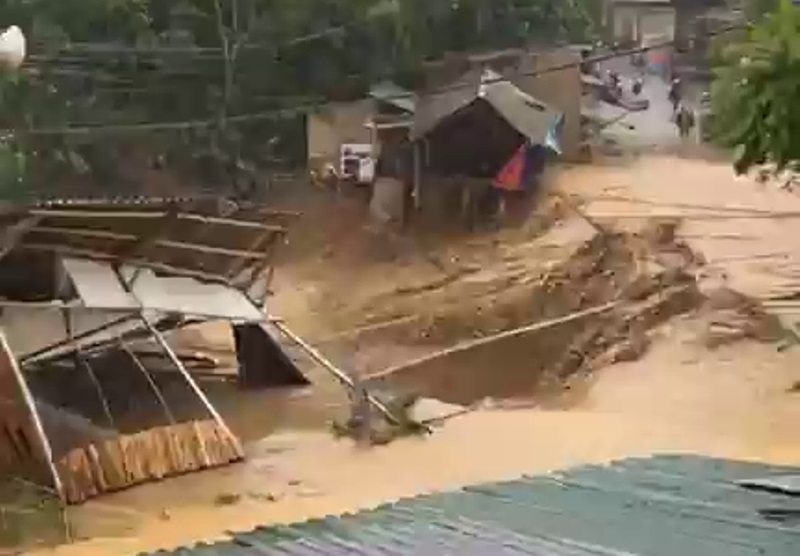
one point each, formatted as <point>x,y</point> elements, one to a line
<point>675,94</point>
<point>684,119</point>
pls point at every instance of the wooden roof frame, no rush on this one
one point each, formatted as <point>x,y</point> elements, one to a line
<point>103,232</point>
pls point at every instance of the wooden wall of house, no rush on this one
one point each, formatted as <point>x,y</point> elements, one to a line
<point>561,89</point>
<point>334,125</point>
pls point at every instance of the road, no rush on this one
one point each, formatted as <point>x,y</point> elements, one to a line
<point>648,128</point>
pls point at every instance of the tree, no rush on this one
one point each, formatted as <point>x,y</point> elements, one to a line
<point>186,69</point>
<point>755,92</point>
<point>756,10</point>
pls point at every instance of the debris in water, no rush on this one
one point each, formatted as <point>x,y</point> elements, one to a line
<point>732,317</point>
<point>259,497</point>
<point>367,426</point>
<point>227,499</point>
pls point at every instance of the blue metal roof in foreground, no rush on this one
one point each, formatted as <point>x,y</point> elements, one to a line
<point>663,506</point>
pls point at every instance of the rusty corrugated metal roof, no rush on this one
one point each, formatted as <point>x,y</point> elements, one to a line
<point>663,506</point>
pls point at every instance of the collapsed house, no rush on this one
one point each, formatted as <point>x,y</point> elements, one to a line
<point>85,287</point>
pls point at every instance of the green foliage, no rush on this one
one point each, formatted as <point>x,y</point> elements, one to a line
<point>126,62</point>
<point>756,10</point>
<point>755,92</point>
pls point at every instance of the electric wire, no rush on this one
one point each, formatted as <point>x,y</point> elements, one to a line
<point>304,108</point>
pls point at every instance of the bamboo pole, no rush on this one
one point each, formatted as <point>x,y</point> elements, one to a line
<point>75,339</point>
<point>150,381</point>
<point>188,377</point>
<point>739,211</point>
<point>180,245</point>
<point>37,422</point>
<point>466,346</point>
<point>83,361</point>
<point>15,233</point>
<point>340,375</point>
<point>153,215</point>
<point>155,333</point>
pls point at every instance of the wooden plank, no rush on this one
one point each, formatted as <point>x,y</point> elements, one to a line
<point>129,238</point>
<point>98,473</point>
<point>201,440</point>
<point>144,456</point>
<point>155,216</point>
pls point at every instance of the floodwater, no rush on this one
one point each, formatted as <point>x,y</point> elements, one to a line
<point>733,402</point>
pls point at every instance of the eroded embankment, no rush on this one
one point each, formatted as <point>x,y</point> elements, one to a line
<point>635,281</point>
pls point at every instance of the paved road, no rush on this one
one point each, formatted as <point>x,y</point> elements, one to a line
<point>648,128</point>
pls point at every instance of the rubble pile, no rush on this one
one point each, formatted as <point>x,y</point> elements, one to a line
<point>731,317</point>
<point>649,277</point>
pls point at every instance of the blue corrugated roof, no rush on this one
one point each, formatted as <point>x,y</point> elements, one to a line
<point>662,506</point>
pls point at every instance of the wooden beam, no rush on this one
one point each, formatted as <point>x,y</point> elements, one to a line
<point>261,245</point>
<point>75,339</point>
<point>340,375</point>
<point>187,377</point>
<point>84,232</point>
<point>115,236</point>
<point>155,333</point>
<point>15,233</point>
<point>154,215</point>
<point>106,257</point>
<point>471,344</point>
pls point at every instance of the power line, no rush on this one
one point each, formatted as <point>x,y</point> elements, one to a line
<point>201,53</point>
<point>305,108</point>
<point>106,48</point>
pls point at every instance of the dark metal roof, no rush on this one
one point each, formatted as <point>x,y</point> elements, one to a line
<point>532,118</point>
<point>663,506</point>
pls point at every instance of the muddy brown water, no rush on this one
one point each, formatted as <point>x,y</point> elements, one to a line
<point>733,402</point>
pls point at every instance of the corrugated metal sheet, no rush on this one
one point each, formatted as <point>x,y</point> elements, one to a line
<point>531,117</point>
<point>187,296</point>
<point>99,287</point>
<point>664,506</point>
<point>388,92</point>
<point>787,484</point>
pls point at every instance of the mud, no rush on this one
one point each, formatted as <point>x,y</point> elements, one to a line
<point>610,267</point>
<point>666,392</point>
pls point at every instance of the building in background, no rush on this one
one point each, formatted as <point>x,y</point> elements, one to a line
<point>383,117</point>
<point>550,75</point>
<point>631,21</point>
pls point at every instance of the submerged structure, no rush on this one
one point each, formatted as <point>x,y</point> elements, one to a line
<point>89,293</point>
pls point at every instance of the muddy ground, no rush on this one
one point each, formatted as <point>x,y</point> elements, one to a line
<point>663,374</point>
